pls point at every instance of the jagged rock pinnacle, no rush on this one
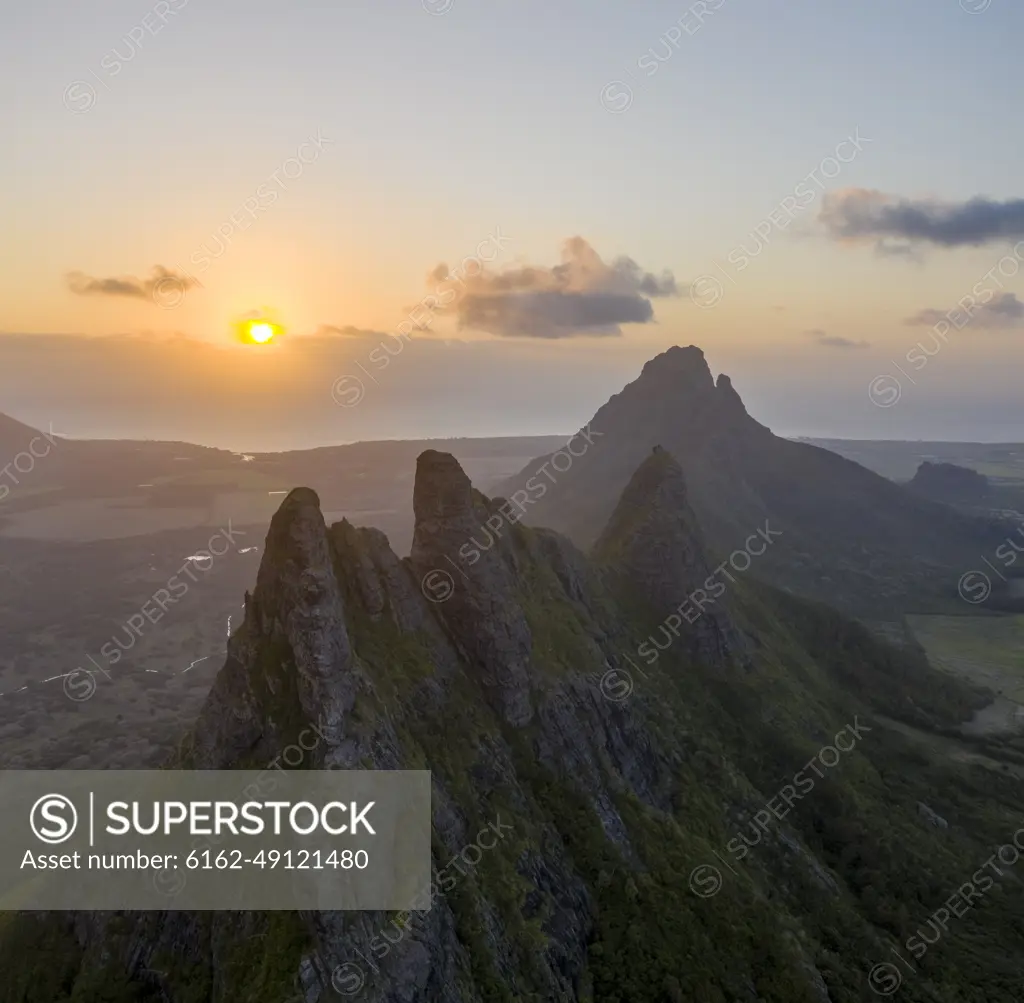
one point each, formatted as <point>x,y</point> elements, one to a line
<point>654,542</point>
<point>295,612</point>
<point>654,525</point>
<point>443,506</point>
<point>453,546</point>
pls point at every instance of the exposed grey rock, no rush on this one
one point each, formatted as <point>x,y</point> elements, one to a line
<point>931,817</point>
<point>818,873</point>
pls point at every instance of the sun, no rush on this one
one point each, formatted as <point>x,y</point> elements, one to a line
<point>261,332</point>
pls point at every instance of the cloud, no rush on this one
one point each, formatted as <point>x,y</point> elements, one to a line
<point>163,285</point>
<point>834,340</point>
<point>899,224</point>
<point>583,295</point>
<point>348,331</point>
<point>1004,311</point>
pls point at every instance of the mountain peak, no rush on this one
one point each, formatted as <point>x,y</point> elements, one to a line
<point>296,540</point>
<point>739,474</point>
<point>442,502</point>
<point>655,540</point>
<point>296,613</point>
<point>675,403</point>
<point>683,375</point>
<point>459,529</point>
<point>657,486</point>
<point>682,367</point>
<point>654,515</point>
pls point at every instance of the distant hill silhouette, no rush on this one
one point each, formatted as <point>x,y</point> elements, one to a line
<point>850,536</point>
<point>14,437</point>
<point>947,482</point>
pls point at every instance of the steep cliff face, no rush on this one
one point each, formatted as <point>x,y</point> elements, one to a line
<point>578,804</point>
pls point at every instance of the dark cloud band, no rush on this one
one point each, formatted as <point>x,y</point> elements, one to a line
<point>861,214</point>
<point>155,288</point>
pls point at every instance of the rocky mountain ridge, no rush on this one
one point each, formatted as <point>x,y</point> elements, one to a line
<point>611,792</point>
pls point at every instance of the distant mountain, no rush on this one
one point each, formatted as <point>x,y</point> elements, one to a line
<point>899,459</point>
<point>733,819</point>
<point>15,437</point>
<point>947,482</point>
<point>159,484</point>
<point>30,460</point>
<point>849,536</point>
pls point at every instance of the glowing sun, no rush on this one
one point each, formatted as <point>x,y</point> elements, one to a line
<point>260,331</point>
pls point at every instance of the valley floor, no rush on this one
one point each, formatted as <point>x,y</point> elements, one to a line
<point>986,650</point>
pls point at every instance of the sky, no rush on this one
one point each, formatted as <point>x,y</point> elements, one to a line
<point>482,219</point>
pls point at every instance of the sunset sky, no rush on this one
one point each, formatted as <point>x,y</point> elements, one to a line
<point>624,168</point>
